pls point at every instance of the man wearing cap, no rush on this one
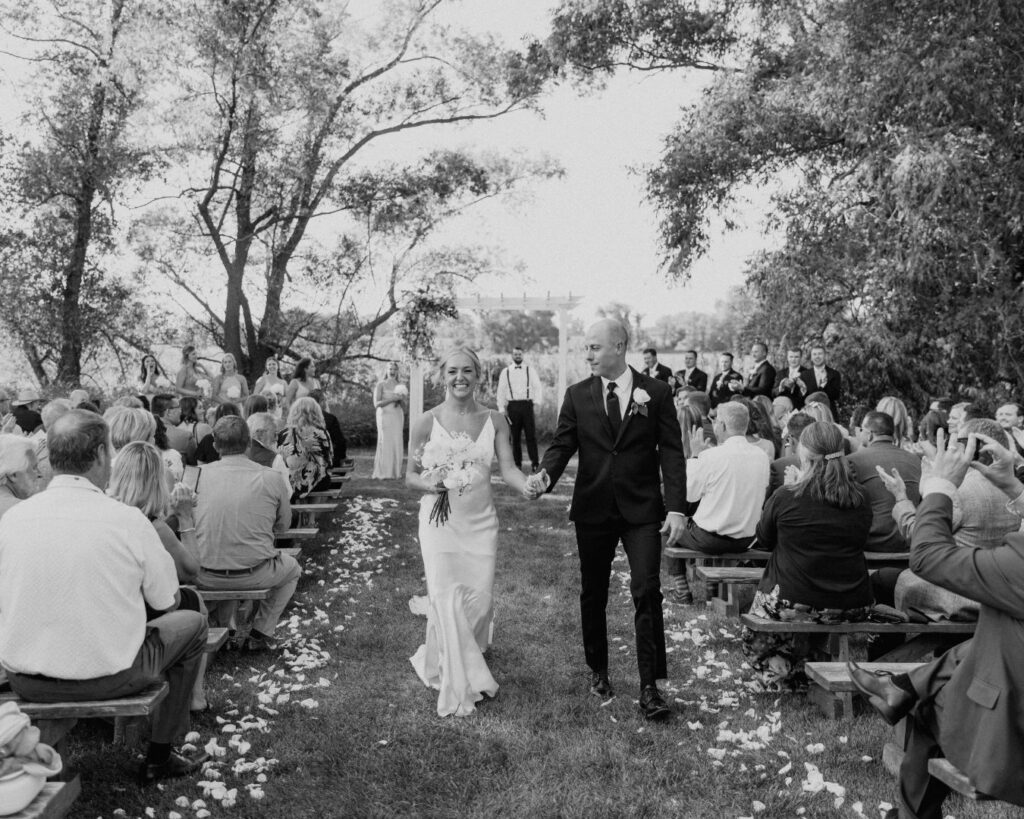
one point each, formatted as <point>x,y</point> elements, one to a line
<point>26,410</point>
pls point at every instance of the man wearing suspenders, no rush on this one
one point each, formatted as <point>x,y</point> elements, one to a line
<point>519,389</point>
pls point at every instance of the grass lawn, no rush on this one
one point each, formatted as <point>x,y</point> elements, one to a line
<point>338,724</point>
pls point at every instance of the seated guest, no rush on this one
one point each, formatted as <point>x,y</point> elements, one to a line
<point>782,406</point>
<point>903,427</point>
<point>254,404</point>
<point>263,444</point>
<point>129,424</point>
<point>730,481</point>
<point>795,426</point>
<point>196,429</point>
<point>174,465</point>
<point>306,448</point>
<point>206,452</point>
<point>77,571</point>
<point>50,413</point>
<point>857,421</point>
<point>79,397</point>
<point>965,705</point>
<point>26,410</point>
<point>979,520</point>
<point>333,427</point>
<point>815,529</point>
<point>168,409</point>
<point>881,452</point>
<point>700,402</point>
<point>19,471</point>
<point>760,431</point>
<point>929,427</point>
<point>1009,417</point>
<point>239,508</point>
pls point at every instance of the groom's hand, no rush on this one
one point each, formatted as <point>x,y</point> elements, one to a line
<point>536,485</point>
<point>675,523</point>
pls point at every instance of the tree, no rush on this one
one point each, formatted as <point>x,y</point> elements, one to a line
<point>76,154</point>
<point>892,133</point>
<point>297,93</point>
<point>533,330</point>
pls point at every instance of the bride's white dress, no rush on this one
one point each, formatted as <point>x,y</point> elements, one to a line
<point>458,560</point>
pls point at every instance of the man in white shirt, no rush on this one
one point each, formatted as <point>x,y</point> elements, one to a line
<point>519,391</point>
<point>730,481</point>
<point>77,570</point>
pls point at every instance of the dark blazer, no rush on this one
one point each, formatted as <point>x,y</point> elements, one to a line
<point>833,385</point>
<point>793,392</point>
<point>698,379</point>
<point>761,382</point>
<point>718,391</point>
<point>619,472</point>
<point>661,372</point>
<point>981,721</point>
<point>777,476</point>
<point>885,536</point>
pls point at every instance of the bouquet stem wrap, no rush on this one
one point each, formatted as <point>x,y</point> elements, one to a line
<point>442,509</point>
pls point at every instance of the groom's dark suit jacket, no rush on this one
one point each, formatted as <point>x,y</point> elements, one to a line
<point>620,473</point>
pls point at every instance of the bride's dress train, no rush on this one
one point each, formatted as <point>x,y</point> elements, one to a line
<point>458,560</point>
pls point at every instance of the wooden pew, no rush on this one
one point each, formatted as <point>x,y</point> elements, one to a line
<point>297,534</point>
<point>293,551</point>
<point>320,497</point>
<point>735,586</point>
<point>307,513</point>
<point>841,648</point>
<point>215,640</point>
<point>832,688</point>
<point>52,802</point>
<point>940,768</point>
<point>243,624</point>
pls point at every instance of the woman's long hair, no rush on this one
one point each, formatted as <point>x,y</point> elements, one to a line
<point>142,367</point>
<point>300,369</point>
<point>827,475</point>
<point>689,420</point>
<point>759,424</point>
<point>137,479</point>
<point>305,413</point>
<point>189,409</point>
<point>930,426</point>
<point>897,410</point>
<point>819,412</point>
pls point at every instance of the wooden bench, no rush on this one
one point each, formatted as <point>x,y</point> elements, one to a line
<point>215,640</point>
<point>734,586</point>
<point>293,551</point>
<point>939,767</point>
<point>233,597</point>
<point>56,719</point>
<point>307,513</point>
<point>304,533</point>
<point>52,802</point>
<point>761,556</point>
<point>832,688</point>
<point>842,644</point>
<point>320,497</point>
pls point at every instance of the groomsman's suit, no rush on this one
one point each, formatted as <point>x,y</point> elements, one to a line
<point>761,381</point>
<point>833,386</point>
<point>719,391</point>
<point>696,378</point>
<point>792,390</point>
<point>618,495</point>
<point>661,372</point>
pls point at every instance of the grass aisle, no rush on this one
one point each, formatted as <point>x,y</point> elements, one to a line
<point>339,725</point>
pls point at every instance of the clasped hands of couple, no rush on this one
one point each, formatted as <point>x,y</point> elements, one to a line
<point>537,484</point>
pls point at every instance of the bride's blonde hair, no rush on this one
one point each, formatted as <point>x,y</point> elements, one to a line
<point>460,350</point>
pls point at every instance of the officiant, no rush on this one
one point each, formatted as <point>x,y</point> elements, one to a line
<point>519,392</point>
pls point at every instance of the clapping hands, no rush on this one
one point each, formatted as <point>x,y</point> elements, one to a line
<point>893,483</point>
<point>536,485</point>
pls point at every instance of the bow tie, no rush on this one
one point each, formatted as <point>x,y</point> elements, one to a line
<point>519,366</point>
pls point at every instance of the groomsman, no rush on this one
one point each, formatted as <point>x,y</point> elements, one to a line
<point>789,383</point>
<point>727,381</point>
<point>761,378</point>
<point>822,378</point>
<point>652,369</point>
<point>519,390</point>
<point>690,376</point>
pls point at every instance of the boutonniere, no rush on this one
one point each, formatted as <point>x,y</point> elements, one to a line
<point>640,399</point>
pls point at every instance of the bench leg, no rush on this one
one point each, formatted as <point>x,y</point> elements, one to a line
<point>130,731</point>
<point>831,705</point>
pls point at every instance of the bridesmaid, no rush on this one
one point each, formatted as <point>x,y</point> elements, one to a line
<point>190,373</point>
<point>389,400</point>
<point>152,377</point>
<point>303,381</point>
<point>229,385</point>
<point>271,380</point>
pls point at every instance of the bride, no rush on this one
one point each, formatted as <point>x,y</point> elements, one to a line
<point>459,553</point>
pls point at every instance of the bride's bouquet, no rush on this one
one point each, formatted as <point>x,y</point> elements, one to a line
<point>402,391</point>
<point>448,464</point>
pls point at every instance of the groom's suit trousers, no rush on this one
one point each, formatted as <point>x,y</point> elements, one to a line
<point>642,544</point>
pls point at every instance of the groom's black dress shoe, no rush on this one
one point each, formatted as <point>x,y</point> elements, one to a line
<point>891,701</point>
<point>600,686</point>
<point>653,706</point>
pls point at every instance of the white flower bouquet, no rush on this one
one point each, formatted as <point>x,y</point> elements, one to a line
<point>204,385</point>
<point>449,465</point>
<point>234,391</point>
<point>401,391</point>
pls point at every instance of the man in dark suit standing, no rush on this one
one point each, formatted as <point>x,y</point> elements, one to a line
<point>652,369</point>
<point>690,376</point>
<point>964,706</point>
<point>761,379</point>
<point>822,378</point>
<point>623,424</point>
<point>726,383</point>
<point>789,382</point>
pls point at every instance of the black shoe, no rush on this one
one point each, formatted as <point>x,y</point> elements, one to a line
<point>891,701</point>
<point>600,686</point>
<point>258,641</point>
<point>175,766</point>
<point>653,706</point>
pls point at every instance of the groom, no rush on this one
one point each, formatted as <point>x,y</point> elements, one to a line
<point>623,424</point>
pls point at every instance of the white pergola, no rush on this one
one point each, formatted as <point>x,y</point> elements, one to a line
<point>556,304</point>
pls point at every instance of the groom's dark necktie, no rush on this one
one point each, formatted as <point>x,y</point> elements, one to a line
<point>614,412</point>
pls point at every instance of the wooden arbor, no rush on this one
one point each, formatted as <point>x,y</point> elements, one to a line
<point>555,304</point>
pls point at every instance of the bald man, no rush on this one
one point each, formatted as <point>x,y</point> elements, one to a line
<point>623,425</point>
